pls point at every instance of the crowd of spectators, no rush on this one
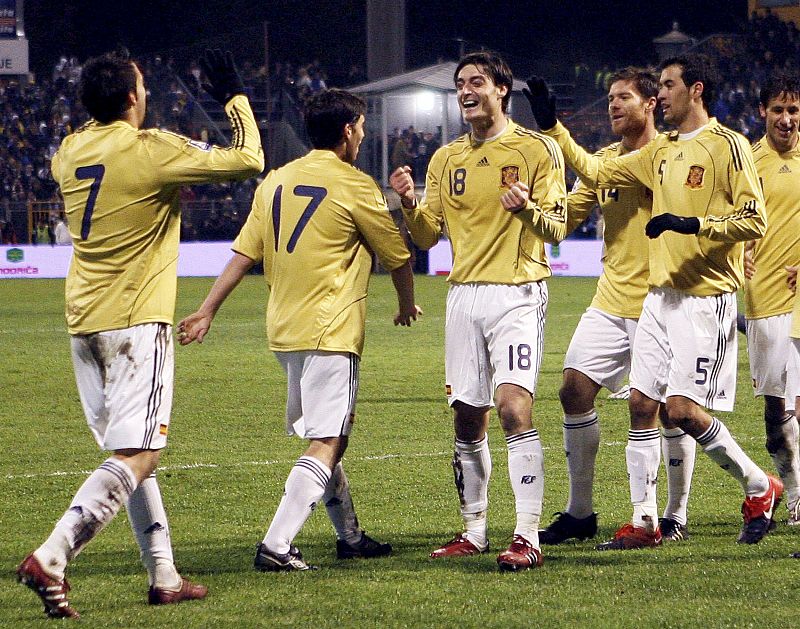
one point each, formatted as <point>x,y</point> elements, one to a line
<point>36,115</point>
<point>410,147</point>
<point>764,44</point>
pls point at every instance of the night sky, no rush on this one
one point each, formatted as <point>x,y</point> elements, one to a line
<point>529,34</point>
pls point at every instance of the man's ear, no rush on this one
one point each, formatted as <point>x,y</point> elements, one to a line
<point>697,89</point>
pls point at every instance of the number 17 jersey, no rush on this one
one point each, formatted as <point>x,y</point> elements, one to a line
<point>314,223</point>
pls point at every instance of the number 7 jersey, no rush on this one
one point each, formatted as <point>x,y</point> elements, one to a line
<point>315,223</point>
<point>121,190</point>
<point>464,184</point>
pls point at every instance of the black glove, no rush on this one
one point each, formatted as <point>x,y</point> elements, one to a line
<point>543,103</point>
<point>223,81</point>
<point>669,222</point>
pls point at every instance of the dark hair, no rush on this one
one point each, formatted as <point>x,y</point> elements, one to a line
<point>327,114</point>
<point>643,80</point>
<point>779,82</point>
<point>106,82</point>
<point>696,68</point>
<point>494,66</point>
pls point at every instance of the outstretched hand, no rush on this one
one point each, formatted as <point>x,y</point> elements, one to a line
<point>223,80</point>
<point>194,328</point>
<point>407,315</point>
<point>542,102</point>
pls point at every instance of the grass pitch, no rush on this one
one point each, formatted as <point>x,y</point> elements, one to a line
<point>224,470</point>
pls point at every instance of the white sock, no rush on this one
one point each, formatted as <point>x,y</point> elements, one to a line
<point>581,441</point>
<point>718,443</point>
<point>304,487</point>
<point>472,467</point>
<point>782,445</point>
<point>642,455</point>
<point>149,523</point>
<point>526,471</point>
<point>678,450</point>
<point>339,504</point>
<point>95,504</point>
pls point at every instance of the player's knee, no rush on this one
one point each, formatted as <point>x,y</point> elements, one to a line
<point>680,410</point>
<point>643,410</point>
<point>515,415</point>
<point>577,393</point>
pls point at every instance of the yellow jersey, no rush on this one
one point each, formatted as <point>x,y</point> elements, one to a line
<point>622,285</point>
<point>121,190</point>
<point>766,294</point>
<point>464,184</point>
<point>315,223</point>
<point>708,174</point>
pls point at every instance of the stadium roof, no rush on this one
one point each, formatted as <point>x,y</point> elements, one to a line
<point>438,77</point>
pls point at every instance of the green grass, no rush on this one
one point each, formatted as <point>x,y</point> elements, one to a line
<point>228,457</point>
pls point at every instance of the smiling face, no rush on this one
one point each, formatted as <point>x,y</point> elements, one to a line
<point>628,110</point>
<point>782,115</point>
<point>480,99</point>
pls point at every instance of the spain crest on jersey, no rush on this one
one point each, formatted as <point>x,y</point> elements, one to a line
<point>695,178</point>
<point>509,175</point>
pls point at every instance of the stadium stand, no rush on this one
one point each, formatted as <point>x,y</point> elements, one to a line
<point>35,117</point>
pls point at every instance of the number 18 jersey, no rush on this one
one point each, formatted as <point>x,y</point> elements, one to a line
<point>465,181</point>
<point>314,223</point>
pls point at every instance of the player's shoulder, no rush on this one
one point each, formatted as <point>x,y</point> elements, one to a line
<point>729,143</point>
<point>526,140</point>
<point>612,150</point>
<point>761,149</point>
<point>459,145</point>
<point>164,136</point>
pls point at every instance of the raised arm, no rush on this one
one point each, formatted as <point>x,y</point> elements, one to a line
<point>424,220</point>
<point>621,171</point>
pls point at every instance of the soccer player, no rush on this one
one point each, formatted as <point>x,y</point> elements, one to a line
<point>706,203</point>
<point>500,193</point>
<point>600,351</point>
<point>314,224</point>
<point>768,303</point>
<point>121,189</point>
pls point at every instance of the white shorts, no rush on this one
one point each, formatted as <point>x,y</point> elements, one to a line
<point>601,348</point>
<point>768,350</point>
<point>321,393</point>
<point>687,346</point>
<point>125,380</point>
<point>493,335</point>
<point>793,372</point>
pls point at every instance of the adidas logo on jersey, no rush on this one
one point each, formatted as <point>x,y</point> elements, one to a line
<point>785,169</point>
<point>721,395</point>
<point>483,162</point>
<point>679,157</point>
